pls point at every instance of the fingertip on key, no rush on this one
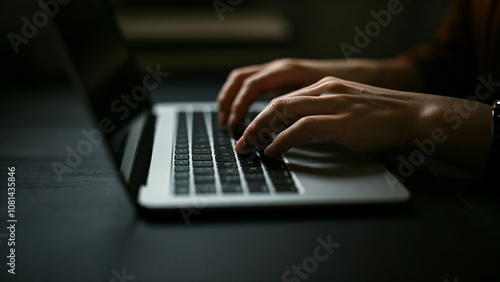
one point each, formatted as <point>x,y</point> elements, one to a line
<point>270,151</point>
<point>239,146</point>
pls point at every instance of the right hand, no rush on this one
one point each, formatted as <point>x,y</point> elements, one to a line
<point>245,85</point>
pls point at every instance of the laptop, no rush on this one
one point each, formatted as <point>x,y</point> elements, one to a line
<point>176,155</point>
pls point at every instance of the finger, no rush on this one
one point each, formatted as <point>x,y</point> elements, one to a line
<point>304,130</point>
<point>271,78</point>
<point>282,112</point>
<point>325,86</point>
<point>231,88</point>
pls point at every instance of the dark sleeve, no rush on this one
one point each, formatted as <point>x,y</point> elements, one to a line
<point>447,65</point>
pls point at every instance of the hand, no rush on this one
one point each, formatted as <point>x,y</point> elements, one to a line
<point>371,119</point>
<point>245,85</point>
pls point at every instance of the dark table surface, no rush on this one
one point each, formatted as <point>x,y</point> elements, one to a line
<point>84,228</point>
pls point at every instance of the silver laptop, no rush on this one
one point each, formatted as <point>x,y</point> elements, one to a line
<point>177,156</point>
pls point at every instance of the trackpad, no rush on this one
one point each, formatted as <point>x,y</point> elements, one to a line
<point>320,158</point>
<point>327,169</point>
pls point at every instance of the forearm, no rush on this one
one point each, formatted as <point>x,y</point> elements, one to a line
<point>466,125</point>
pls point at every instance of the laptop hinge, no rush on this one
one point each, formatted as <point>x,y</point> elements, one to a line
<point>142,160</point>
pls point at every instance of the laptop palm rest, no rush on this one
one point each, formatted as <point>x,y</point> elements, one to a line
<point>326,167</point>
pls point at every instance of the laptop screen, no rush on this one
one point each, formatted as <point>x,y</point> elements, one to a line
<point>103,67</point>
<point>102,64</point>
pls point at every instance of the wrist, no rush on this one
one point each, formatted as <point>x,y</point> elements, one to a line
<point>465,127</point>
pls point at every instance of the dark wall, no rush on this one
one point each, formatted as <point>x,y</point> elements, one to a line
<point>312,29</point>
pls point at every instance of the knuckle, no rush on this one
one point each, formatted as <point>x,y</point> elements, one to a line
<point>327,79</point>
<point>279,103</point>
<point>307,123</point>
<point>221,100</point>
<point>237,106</point>
<point>250,83</point>
<point>283,135</point>
<point>286,63</point>
<point>236,74</point>
<point>250,129</point>
<point>333,84</point>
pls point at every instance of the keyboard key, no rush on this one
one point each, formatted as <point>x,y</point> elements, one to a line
<point>219,158</point>
<point>251,169</point>
<point>219,153</point>
<point>250,156</point>
<point>204,178</point>
<point>230,179</point>
<point>181,168</point>
<point>181,188</point>
<point>202,139</point>
<point>232,189</point>
<point>282,180</point>
<point>223,149</point>
<point>201,157</point>
<point>205,189</point>
<point>181,146</point>
<point>274,164</point>
<point>181,162</point>
<point>203,170</point>
<point>222,141</point>
<point>202,151</point>
<point>201,146</point>
<point>228,171</point>
<point>274,174</point>
<point>258,188</point>
<point>202,164</point>
<point>247,162</point>
<point>181,175</point>
<point>182,181</point>
<point>254,177</point>
<point>227,165</point>
<point>181,151</point>
<point>284,187</point>
<point>182,157</point>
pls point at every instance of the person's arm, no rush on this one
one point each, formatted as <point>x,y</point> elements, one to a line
<point>448,64</point>
<point>444,66</point>
<point>245,85</point>
<point>375,120</point>
<point>395,73</point>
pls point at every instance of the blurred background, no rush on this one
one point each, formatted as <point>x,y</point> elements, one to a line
<point>206,39</point>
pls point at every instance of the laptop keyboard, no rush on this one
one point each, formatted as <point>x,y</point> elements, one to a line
<point>205,162</point>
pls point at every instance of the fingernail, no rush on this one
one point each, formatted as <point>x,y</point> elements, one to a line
<point>240,144</point>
